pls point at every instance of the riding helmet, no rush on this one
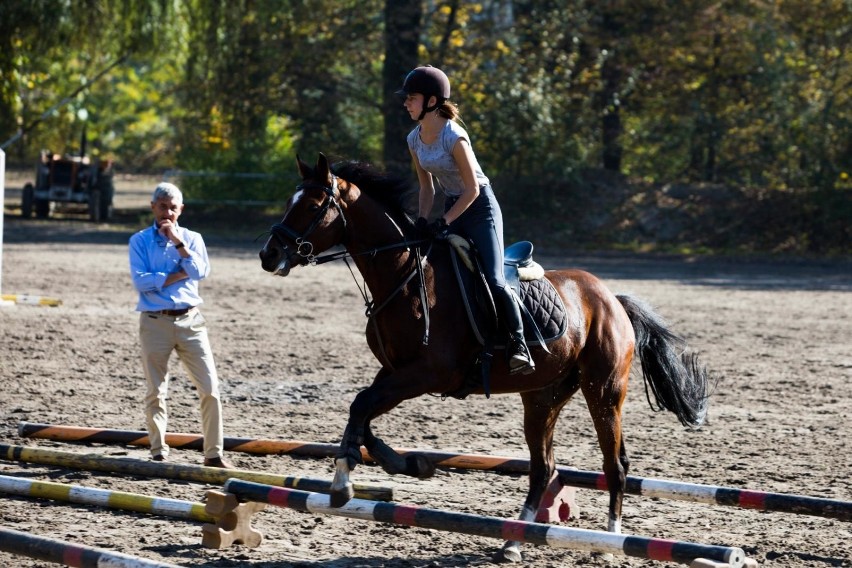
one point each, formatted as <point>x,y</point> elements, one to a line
<point>428,81</point>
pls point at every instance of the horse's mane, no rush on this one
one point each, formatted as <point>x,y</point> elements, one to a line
<point>389,190</point>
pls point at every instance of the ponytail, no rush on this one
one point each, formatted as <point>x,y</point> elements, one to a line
<point>449,110</point>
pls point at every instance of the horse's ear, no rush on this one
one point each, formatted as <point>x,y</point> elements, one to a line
<point>322,168</point>
<point>304,169</point>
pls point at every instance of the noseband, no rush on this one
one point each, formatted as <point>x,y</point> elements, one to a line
<point>304,247</point>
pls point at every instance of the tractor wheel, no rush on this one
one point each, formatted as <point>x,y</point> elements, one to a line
<point>27,201</point>
<point>42,208</point>
<point>106,190</point>
<point>95,205</point>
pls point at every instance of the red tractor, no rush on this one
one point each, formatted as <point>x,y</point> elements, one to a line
<point>70,179</point>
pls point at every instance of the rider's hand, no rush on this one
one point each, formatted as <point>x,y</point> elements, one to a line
<point>439,228</point>
<point>421,228</point>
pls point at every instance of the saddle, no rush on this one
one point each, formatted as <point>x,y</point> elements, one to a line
<point>543,313</point>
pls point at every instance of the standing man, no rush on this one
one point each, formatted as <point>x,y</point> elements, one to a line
<point>166,263</point>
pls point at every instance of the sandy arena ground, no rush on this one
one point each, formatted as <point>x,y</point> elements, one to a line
<point>292,355</point>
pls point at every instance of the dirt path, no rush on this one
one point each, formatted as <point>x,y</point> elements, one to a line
<point>292,355</point>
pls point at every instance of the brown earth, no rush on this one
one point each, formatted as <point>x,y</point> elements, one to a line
<point>291,354</point>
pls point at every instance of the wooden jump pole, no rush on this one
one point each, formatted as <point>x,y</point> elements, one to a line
<point>70,554</point>
<point>201,474</point>
<point>11,485</point>
<point>87,435</point>
<point>648,487</point>
<point>491,527</point>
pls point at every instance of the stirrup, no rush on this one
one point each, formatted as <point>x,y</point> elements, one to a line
<point>523,369</point>
<point>520,361</point>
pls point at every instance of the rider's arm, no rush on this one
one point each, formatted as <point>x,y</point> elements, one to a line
<point>427,188</point>
<point>463,156</point>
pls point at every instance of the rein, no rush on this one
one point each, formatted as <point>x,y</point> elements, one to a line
<point>373,310</point>
<point>305,249</point>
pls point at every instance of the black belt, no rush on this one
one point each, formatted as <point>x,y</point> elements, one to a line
<point>175,312</point>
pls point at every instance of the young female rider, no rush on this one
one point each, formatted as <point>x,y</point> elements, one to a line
<point>441,151</point>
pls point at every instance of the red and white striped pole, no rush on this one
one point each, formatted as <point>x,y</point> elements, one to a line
<point>492,527</point>
<point>70,554</point>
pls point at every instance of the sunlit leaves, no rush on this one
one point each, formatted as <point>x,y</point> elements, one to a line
<point>740,92</point>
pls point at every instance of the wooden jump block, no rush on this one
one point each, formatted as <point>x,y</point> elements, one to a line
<point>559,502</point>
<point>233,522</point>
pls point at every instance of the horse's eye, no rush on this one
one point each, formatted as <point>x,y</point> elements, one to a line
<point>314,208</point>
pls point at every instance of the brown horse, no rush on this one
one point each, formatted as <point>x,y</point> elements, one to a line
<point>351,205</point>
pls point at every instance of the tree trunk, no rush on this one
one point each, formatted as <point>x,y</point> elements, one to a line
<point>403,22</point>
<point>611,75</point>
<point>713,106</point>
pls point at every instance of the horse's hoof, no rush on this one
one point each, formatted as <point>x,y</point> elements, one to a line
<point>340,497</point>
<point>509,553</point>
<point>418,465</point>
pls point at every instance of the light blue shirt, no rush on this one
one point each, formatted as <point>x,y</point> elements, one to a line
<point>153,257</point>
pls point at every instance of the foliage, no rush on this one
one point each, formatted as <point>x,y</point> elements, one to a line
<point>746,93</point>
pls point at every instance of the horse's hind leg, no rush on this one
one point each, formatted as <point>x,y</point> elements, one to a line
<point>605,389</point>
<point>541,412</point>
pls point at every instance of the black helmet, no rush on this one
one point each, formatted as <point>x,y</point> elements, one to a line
<point>428,81</point>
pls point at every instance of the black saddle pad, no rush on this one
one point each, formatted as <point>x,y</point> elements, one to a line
<point>540,298</point>
<point>547,310</point>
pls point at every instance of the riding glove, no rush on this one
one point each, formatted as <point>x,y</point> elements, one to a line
<point>421,229</point>
<point>439,228</point>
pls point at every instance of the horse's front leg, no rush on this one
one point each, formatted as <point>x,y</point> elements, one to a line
<point>413,464</point>
<point>386,392</point>
<point>347,457</point>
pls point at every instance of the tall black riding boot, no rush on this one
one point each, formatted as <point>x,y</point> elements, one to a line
<point>520,360</point>
<point>517,354</point>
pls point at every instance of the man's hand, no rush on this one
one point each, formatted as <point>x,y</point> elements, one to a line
<point>167,229</point>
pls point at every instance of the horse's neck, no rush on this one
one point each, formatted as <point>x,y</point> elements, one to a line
<point>372,228</point>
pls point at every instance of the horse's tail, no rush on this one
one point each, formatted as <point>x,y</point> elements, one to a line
<point>675,377</point>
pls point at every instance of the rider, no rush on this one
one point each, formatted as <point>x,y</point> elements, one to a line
<point>441,150</point>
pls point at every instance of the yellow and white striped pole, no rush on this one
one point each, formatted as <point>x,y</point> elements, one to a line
<point>29,300</point>
<point>104,498</point>
<point>13,299</point>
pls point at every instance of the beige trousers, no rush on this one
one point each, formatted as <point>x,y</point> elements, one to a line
<point>159,335</point>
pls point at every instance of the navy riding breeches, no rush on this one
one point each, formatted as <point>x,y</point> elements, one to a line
<point>482,223</point>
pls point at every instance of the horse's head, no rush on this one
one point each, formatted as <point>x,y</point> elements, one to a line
<point>313,221</point>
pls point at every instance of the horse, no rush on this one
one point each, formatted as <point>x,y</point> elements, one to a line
<point>351,205</point>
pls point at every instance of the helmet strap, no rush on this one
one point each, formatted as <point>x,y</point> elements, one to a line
<point>434,107</point>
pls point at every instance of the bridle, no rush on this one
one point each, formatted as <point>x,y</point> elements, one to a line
<point>304,247</point>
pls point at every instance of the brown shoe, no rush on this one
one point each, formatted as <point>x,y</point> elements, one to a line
<point>219,462</point>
